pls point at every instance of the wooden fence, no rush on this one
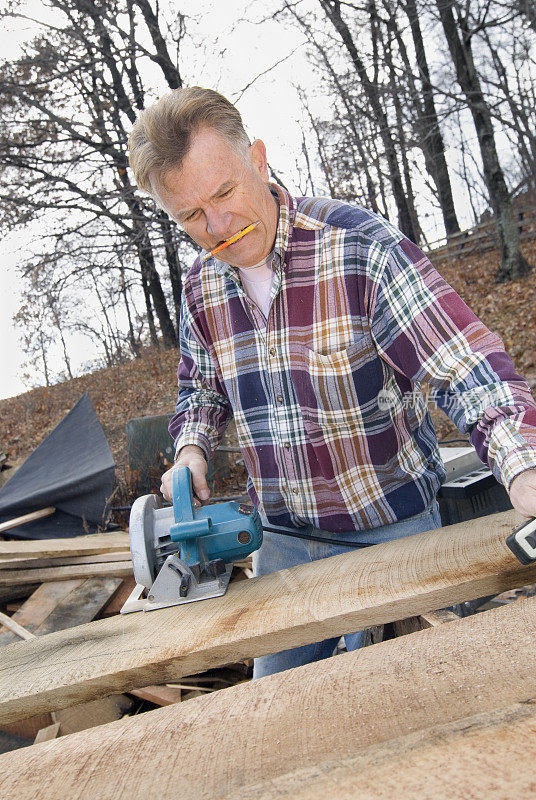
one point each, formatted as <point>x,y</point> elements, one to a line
<point>482,237</point>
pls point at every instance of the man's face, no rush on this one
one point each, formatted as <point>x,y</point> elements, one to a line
<point>216,192</point>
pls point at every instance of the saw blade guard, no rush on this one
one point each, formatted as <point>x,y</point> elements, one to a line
<point>150,542</point>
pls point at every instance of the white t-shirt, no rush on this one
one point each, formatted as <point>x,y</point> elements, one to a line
<point>257,282</point>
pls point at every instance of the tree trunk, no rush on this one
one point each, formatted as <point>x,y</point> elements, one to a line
<point>350,113</point>
<point>513,265</point>
<point>401,135</point>
<point>150,316</point>
<point>161,57</point>
<point>134,344</point>
<point>332,9</point>
<point>172,258</point>
<point>44,357</point>
<point>146,259</point>
<point>432,140</point>
<point>148,269</point>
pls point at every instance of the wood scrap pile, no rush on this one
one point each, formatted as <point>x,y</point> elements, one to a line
<point>424,715</point>
<point>58,584</point>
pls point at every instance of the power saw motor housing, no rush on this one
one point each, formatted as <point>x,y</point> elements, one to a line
<point>181,554</point>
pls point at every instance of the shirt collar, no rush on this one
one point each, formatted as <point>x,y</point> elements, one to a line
<point>287,213</point>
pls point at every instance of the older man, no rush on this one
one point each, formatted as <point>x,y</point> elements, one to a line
<point>313,330</point>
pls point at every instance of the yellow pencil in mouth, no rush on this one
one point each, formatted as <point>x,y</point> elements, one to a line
<point>232,239</point>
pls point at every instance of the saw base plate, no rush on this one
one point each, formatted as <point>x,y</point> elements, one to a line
<point>203,591</point>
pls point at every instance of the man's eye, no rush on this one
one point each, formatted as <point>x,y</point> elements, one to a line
<point>226,194</point>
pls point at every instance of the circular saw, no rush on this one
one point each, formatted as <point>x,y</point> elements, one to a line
<point>181,554</point>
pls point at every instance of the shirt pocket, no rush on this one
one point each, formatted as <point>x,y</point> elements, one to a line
<point>339,391</point>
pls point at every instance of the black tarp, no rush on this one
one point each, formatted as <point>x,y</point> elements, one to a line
<point>73,470</point>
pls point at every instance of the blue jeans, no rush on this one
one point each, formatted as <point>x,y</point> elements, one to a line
<point>281,552</point>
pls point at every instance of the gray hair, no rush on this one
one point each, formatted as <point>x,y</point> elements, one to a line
<point>162,134</point>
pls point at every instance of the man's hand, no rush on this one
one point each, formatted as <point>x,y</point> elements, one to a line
<point>193,457</point>
<point>523,493</point>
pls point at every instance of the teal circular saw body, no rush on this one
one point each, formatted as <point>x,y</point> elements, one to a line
<point>181,553</point>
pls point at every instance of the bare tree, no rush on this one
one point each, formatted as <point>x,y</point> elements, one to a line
<point>67,106</point>
<point>459,33</point>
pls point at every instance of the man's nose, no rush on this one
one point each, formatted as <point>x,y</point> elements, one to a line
<point>219,223</point>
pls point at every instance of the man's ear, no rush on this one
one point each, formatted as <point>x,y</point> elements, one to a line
<point>258,158</point>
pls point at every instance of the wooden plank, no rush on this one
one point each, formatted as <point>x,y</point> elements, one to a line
<point>55,606</point>
<point>483,757</point>
<point>427,620</point>
<point>38,606</point>
<point>90,715</point>
<point>76,718</point>
<point>39,563</point>
<point>63,604</point>
<point>439,617</point>
<point>120,569</point>
<point>9,593</point>
<point>120,597</point>
<point>262,730</point>
<point>9,623</point>
<point>80,606</point>
<point>48,733</point>
<point>28,728</point>
<point>160,695</point>
<point>293,607</point>
<point>22,520</point>
<point>79,545</point>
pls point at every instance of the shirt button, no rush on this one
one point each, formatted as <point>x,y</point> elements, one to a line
<point>280,399</point>
<point>272,351</point>
<point>286,445</point>
<point>295,490</point>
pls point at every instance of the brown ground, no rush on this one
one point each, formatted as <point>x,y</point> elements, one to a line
<point>147,386</point>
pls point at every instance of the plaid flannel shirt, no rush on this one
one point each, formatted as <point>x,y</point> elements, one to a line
<point>327,393</point>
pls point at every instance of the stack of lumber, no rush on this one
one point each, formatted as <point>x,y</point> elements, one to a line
<point>30,563</point>
<point>69,582</point>
<point>448,711</point>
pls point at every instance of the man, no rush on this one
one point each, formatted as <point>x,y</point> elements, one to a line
<point>313,330</point>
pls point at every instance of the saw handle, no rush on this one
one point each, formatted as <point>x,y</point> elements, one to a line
<point>182,494</point>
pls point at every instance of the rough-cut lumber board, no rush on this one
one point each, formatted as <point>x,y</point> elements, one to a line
<point>121,569</point>
<point>262,730</point>
<point>80,606</point>
<point>13,626</point>
<point>48,733</point>
<point>33,515</point>
<point>55,606</point>
<point>39,605</point>
<point>120,597</point>
<point>76,718</point>
<point>39,563</point>
<point>483,757</point>
<point>63,604</point>
<point>89,715</point>
<point>428,620</point>
<point>28,728</point>
<point>77,546</point>
<point>159,695</point>
<point>439,617</point>
<point>8,593</point>
<point>293,607</point>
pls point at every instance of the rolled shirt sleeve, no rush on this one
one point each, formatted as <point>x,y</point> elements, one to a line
<point>423,329</point>
<point>202,409</point>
